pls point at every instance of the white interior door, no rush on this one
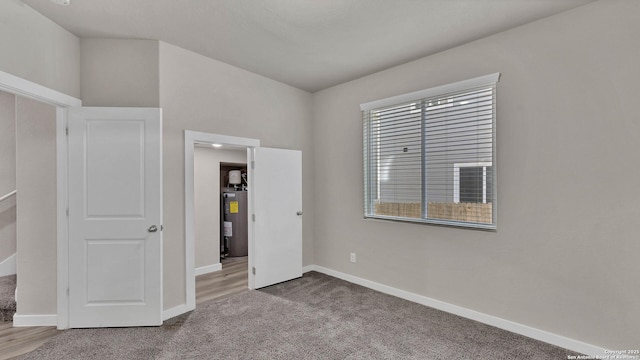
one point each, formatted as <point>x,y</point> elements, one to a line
<point>277,203</point>
<point>115,214</point>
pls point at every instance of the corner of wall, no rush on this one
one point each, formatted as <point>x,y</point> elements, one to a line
<point>26,36</point>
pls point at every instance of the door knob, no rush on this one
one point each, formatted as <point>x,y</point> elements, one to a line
<point>299,213</point>
<point>152,228</point>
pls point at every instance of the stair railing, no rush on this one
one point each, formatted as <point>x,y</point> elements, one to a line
<point>4,204</point>
<point>5,197</point>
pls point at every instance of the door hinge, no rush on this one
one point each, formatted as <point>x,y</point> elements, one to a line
<point>66,130</point>
<point>253,270</point>
<point>67,291</point>
<point>253,217</point>
<point>253,164</point>
<point>67,212</point>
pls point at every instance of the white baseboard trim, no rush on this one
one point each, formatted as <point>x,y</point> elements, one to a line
<point>52,320</point>
<point>8,266</point>
<point>35,320</point>
<point>208,269</point>
<point>545,336</point>
<point>175,311</point>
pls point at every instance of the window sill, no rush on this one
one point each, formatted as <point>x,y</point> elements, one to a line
<point>453,224</point>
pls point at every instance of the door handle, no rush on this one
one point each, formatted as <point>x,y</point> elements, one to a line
<point>152,228</point>
<point>299,213</point>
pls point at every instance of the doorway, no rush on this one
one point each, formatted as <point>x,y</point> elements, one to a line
<point>220,221</point>
<point>21,87</point>
<point>274,204</point>
<point>28,169</point>
<point>193,139</point>
<point>212,166</point>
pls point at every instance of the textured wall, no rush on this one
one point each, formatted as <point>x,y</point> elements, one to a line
<point>564,257</point>
<point>36,210</point>
<point>119,72</point>
<point>201,94</point>
<point>196,93</point>
<point>36,49</point>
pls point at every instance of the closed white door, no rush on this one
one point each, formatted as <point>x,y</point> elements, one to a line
<point>277,243</point>
<point>115,215</point>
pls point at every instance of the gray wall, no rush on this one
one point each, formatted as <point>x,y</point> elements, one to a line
<point>201,94</point>
<point>206,187</point>
<point>36,210</point>
<point>36,49</point>
<point>7,174</point>
<point>119,72</point>
<point>564,257</point>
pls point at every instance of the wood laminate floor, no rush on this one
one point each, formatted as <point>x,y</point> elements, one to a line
<point>231,279</point>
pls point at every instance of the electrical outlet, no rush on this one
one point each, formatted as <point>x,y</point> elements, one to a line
<point>353,257</point>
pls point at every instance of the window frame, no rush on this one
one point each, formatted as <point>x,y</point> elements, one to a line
<point>490,80</point>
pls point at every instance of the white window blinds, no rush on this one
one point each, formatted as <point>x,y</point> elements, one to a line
<point>429,156</point>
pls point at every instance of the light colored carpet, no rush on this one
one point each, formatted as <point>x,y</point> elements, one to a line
<point>314,317</point>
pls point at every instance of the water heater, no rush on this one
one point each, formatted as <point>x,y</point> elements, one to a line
<point>235,177</point>
<point>235,231</point>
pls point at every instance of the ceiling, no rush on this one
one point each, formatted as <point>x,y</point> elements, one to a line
<point>309,44</point>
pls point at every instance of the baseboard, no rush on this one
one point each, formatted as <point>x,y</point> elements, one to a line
<point>52,320</point>
<point>545,336</point>
<point>8,266</point>
<point>208,269</point>
<point>35,320</point>
<point>175,311</point>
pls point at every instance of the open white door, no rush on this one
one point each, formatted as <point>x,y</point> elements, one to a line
<point>115,215</point>
<point>277,203</point>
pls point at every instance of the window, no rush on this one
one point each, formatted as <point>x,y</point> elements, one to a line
<point>472,183</point>
<point>429,155</point>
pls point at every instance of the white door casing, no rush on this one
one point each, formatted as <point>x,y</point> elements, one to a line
<point>191,138</point>
<point>115,201</point>
<point>277,203</point>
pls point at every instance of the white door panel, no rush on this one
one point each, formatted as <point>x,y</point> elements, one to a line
<point>277,250</point>
<point>115,196</point>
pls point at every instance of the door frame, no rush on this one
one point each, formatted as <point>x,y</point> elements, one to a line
<point>18,86</point>
<point>191,138</point>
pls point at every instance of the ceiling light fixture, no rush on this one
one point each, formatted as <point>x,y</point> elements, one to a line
<point>61,2</point>
<point>216,145</point>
